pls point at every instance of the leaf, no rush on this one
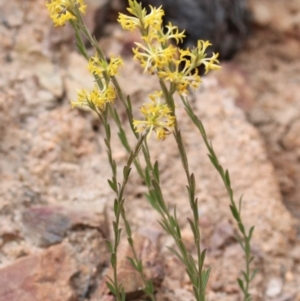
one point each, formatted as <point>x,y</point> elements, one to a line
<point>241,227</point>
<point>118,237</point>
<point>116,207</point>
<point>129,103</point>
<point>126,171</point>
<point>127,226</point>
<point>113,259</point>
<point>240,204</point>
<point>123,295</point>
<point>240,241</point>
<point>172,250</point>
<point>250,233</point>
<point>111,287</point>
<point>112,185</point>
<point>133,263</point>
<point>147,176</point>
<point>214,161</point>
<point>245,276</point>
<point>254,274</point>
<point>241,284</point>
<point>227,178</point>
<point>192,226</point>
<point>202,257</point>
<point>109,246</point>
<point>234,212</point>
<point>193,182</point>
<point>156,171</point>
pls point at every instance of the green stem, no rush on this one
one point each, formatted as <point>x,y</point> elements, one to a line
<point>235,210</point>
<point>200,294</point>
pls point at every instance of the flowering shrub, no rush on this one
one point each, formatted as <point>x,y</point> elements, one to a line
<point>177,72</point>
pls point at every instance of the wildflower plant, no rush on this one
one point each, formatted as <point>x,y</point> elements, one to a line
<point>176,70</point>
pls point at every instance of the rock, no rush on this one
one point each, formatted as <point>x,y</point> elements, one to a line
<point>279,16</point>
<point>274,287</point>
<point>35,277</point>
<point>223,233</point>
<point>49,77</point>
<point>48,225</point>
<point>295,253</point>
<point>96,15</point>
<point>261,13</point>
<point>127,275</point>
<point>77,76</point>
<point>69,268</point>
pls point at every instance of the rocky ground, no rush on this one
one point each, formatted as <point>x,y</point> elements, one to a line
<point>56,205</point>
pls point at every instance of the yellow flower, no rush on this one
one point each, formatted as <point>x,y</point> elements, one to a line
<point>158,118</point>
<point>154,18</point>
<point>153,57</point>
<point>61,11</point>
<point>114,64</point>
<point>96,98</point>
<point>173,33</point>
<point>211,63</point>
<point>140,18</point>
<point>97,66</point>
<point>181,73</point>
<point>198,57</point>
<point>128,23</point>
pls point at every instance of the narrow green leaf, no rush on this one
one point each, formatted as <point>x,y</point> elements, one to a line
<point>195,210</point>
<point>241,284</point>
<point>118,237</point>
<point>245,276</point>
<point>254,274</point>
<point>250,233</point>
<point>241,227</point>
<point>195,291</point>
<point>116,207</point>
<point>227,178</point>
<point>172,250</point>
<point>202,258</point>
<point>192,182</point>
<point>133,263</point>
<point>127,227</point>
<point>240,241</point>
<point>147,176</point>
<point>149,287</point>
<point>205,277</point>
<point>129,103</point>
<point>213,161</point>
<point>112,185</point>
<point>113,259</point>
<point>234,212</point>
<point>109,246</point>
<point>156,171</point>
<point>111,288</point>
<point>122,291</point>
<point>240,204</point>
<point>192,226</point>
<point>126,171</point>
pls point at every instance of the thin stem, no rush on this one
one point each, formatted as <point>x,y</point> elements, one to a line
<point>119,208</point>
<point>235,210</point>
<point>191,189</point>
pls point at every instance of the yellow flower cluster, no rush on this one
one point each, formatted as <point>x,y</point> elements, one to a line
<point>158,118</point>
<point>103,92</point>
<point>97,66</point>
<point>157,55</point>
<point>62,11</point>
<point>96,98</point>
<point>141,19</point>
